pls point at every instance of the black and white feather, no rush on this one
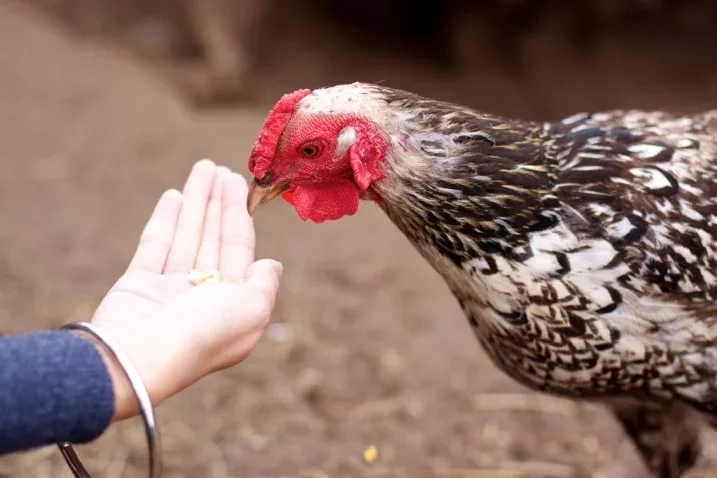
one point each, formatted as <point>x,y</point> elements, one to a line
<point>583,251</point>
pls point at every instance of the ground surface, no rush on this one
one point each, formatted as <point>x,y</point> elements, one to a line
<point>370,347</point>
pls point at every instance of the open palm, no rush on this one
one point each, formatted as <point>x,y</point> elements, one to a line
<point>176,332</point>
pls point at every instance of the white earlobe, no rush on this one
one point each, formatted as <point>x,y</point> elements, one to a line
<point>347,137</point>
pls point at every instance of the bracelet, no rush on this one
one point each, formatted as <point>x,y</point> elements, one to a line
<point>143,401</point>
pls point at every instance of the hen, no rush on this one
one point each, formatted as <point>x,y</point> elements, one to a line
<point>582,251</point>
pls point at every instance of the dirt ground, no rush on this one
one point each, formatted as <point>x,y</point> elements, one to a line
<point>368,346</point>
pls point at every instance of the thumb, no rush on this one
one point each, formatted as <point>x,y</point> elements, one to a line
<point>262,278</point>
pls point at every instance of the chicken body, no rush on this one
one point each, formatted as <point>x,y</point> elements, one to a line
<point>582,251</point>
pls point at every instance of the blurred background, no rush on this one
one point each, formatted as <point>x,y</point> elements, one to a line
<point>106,103</point>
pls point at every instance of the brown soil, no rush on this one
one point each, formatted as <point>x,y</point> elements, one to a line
<point>369,346</point>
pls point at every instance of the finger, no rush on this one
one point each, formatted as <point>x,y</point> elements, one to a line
<point>158,234</point>
<point>208,255</point>
<point>190,224</point>
<point>237,249</point>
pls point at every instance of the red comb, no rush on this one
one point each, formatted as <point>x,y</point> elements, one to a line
<point>268,140</point>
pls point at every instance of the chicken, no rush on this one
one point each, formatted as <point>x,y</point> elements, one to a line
<point>582,251</point>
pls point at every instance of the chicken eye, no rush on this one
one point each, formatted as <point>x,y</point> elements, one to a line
<point>309,150</point>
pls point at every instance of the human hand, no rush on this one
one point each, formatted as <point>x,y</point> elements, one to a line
<point>174,332</point>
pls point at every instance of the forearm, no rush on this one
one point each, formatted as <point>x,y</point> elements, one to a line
<point>54,386</point>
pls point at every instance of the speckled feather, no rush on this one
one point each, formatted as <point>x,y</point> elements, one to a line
<point>583,251</point>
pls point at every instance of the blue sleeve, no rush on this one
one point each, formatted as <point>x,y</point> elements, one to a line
<point>54,386</point>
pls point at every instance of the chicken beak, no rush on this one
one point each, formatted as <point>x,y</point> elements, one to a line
<point>260,194</point>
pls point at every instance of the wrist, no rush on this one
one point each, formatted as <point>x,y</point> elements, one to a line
<point>124,403</point>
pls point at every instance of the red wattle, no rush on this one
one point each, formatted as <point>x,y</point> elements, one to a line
<point>325,201</point>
